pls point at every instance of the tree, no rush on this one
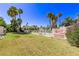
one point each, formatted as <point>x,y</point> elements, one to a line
<point>14,25</point>
<point>9,28</point>
<point>68,21</point>
<point>73,35</point>
<point>77,20</point>
<point>19,21</point>
<point>48,27</point>
<point>2,22</point>
<point>53,19</point>
<point>78,17</point>
<point>12,12</point>
<point>32,28</point>
<point>20,11</point>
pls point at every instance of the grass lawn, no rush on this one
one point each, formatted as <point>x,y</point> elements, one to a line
<point>29,44</point>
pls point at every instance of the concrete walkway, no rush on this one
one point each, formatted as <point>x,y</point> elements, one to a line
<point>43,34</point>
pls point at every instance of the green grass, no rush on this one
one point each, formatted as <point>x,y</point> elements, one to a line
<point>33,45</point>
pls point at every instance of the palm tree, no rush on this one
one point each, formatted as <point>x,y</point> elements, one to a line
<point>53,19</point>
<point>14,25</point>
<point>59,14</point>
<point>68,21</point>
<point>12,12</point>
<point>20,11</point>
<point>77,20</point>
<point>19,21</point>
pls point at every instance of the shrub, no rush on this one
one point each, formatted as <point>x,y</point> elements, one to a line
<point>73,35</point>
<point>8,27</point>
<point>2,22</point>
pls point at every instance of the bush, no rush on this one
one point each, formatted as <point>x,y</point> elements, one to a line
<point>8,27</point>
<point>2,22</point>
<point>73,35</point>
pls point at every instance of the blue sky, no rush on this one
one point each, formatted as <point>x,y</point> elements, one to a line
<point>36,14</point>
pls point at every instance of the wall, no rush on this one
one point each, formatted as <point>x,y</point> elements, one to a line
<point>59,33</point>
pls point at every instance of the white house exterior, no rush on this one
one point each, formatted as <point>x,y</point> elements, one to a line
<point>2,30</point>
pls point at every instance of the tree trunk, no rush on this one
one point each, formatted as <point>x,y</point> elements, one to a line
<point>14,18</point>
<point>14,27</point>
<point>53,24</point>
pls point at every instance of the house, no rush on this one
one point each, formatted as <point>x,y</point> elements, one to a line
<point>2,30</point>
